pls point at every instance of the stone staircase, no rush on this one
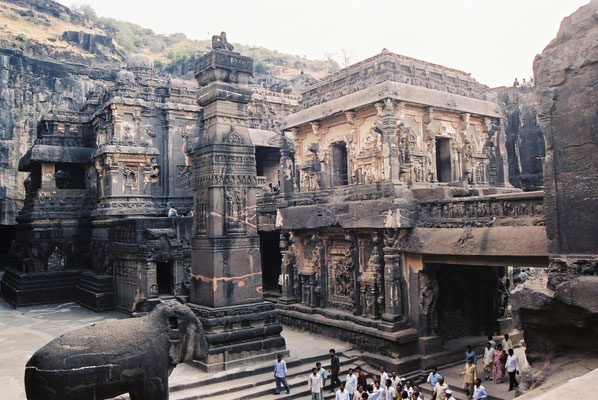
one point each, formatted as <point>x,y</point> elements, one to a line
<point>258,381</point>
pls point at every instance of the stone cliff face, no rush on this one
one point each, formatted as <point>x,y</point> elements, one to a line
<point>525,141</point>
<point>559,315</point>
<point>29,88</point>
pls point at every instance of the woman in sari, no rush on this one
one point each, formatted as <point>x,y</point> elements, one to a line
<point>498,364</point>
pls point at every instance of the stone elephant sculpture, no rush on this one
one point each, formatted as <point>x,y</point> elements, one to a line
<point>104,360</point>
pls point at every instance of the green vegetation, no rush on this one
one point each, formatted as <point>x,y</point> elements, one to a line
<point>176,53</point>
<point>260,68</point>
<point>21,37</point>
<point>10,15</point>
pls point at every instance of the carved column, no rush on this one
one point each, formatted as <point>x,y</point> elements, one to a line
<point>285,172</point>
<point>393,274</point>
<point>387,126</point>
<point>226,272</point>
<point>287,270</point>
<point>352,263</point>
<point>318,278</point>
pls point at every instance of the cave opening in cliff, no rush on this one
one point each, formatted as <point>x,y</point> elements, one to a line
<point>443,159</point>
<point>467,300</point>
<point>271,260</point>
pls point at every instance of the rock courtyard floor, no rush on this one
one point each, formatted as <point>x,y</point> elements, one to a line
<point>24,330</point>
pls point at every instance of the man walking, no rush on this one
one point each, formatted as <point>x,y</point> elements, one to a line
<point>433,378</point>
<point>280,374</point>
<point>390,392</point>
<point>335,366</point>
<point>507,343</point>
<point>383,377</point>
<point>469,374</point>
<point>351,383</point>
<point>512,366</point>
<point>440,390</point>
<point>341,393</point>
<point>361,378</point>
<point>479,391</point>
<point>323,374</point>
<point>488,361</point>
<point>314,382</point>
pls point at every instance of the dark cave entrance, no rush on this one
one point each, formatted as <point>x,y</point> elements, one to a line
<point>443,160</point>
<point>467,300</point>
<point>271,259</point>
<point>164,278</point>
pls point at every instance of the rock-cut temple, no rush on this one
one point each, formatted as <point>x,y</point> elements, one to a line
<point>380,199</point>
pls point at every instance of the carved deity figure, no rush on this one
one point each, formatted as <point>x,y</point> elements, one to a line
<point>219,42</point>
<point>428,296</point>
<point>235,207</point>
<point>371,175</point>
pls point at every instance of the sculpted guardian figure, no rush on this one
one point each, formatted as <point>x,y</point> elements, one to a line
<point>219,42</point>
<point>102,361</point>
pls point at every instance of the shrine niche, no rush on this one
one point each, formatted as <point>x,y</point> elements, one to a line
<point>235,210</point>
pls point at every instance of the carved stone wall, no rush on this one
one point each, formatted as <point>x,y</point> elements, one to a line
<point>386,135</point>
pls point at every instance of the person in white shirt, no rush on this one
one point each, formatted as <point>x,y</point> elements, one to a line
<point>488,361</point>
<point>507,343</point>
<point>512,366</point>
<point>449,395</point>
<point>378,388</point>
<point>383,377</point>
<point>395,380</point>
<point>479,391</point>
<point>341,393</point>
<point>351,383</point>
<point>408,388</point>
<point>390,393</point>
<point>314,381</point>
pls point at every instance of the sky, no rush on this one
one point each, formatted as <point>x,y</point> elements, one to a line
<point>494,40</point>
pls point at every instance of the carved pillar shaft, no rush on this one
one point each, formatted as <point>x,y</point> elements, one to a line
<point>287,271</point>
<point>285,172</point>
<point>393,274</point>
<point>352,262</point>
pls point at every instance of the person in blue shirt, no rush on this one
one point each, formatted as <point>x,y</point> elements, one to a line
<point>323,374</point>
<point>433,378</point>
<point>479,391</point>
<point>280,374</point>
<point>469,353</point>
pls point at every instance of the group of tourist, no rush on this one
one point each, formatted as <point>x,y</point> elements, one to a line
<point>499,359</point>
<point>524,84</point>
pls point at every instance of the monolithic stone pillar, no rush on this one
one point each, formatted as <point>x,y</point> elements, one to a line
<point>393,275</point>
<point>226,275</point>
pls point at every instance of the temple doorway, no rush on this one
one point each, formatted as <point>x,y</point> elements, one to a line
<point>467,300</point>
<point>271,260</point>
<point>164,278</point>
<point>443,159</point>
<point>340,176</point>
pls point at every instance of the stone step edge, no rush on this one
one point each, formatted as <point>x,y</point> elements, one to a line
<point>265,370</point>
<point>258,389</point>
